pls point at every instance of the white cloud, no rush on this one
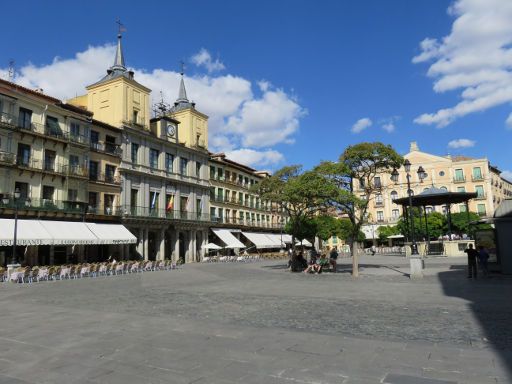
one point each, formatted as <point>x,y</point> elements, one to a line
<point>204,59</point>
<point>475,58</point>
<point>461,143</point>
<point>256,158</point>
<point>389,127</point>
<point>361,125</point>
<point>508,122</point>
<point>507,175</point>
<point>243,114</point>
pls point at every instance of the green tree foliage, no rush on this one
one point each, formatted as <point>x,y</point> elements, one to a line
<point>306,229</point>
<point>436,225</point>
<point>358,166</point>
<point>460,223</point>
<point>300,195</point>
<point>385,231</point>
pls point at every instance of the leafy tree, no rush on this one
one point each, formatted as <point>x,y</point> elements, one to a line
<point>327,226</point>
<point>358,165</point>
<point>300,195</point>
<point>436,223</point>
<point>460,223</point>
<point>307,228</point>
<point>385,231</point>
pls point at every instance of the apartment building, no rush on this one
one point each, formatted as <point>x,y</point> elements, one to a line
<point>451,173</point>
<point>44,174</point>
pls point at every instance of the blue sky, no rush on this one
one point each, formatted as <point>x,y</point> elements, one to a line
<point>288,82</point>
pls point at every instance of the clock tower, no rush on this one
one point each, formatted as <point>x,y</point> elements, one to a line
<point>193,128</point>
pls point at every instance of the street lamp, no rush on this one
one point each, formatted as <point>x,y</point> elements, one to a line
<point>17,195</point>
<point>415,261</point>
<point>281,222</point>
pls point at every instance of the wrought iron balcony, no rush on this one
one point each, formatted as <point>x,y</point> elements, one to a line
<point>108,148</point>
<point>48,205</point>
<point>105,178</point>
<point>477,177</point>
<point>162,213</point>
<point>459,179</point>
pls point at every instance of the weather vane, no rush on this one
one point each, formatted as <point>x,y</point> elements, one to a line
<point>161,108</point>
<point>121,27</point>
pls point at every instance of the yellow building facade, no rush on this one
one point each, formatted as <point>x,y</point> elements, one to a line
<point>451,173</point>
<point>162,175</point>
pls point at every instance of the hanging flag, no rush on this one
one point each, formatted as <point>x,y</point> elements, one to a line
<point>153,201</point>
<point>170,203</point>
<point>189,204</point>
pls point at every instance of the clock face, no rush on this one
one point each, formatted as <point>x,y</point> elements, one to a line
<point>171,129</point>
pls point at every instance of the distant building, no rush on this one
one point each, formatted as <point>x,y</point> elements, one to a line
<point>452,173</point>
<point>232,203</point>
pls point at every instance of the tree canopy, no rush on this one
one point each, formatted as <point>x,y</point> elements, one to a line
<point>300,195</point>
<point>352,185</point>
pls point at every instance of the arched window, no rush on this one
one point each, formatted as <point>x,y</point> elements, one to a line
<point>394,195</point>
<point>444,189</point>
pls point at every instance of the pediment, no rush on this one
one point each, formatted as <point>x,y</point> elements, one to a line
<point>416,157</point>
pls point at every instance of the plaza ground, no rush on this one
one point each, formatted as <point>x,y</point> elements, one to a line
<point>258,323</point>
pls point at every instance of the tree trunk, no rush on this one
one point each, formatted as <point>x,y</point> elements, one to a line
<point>355,259</point>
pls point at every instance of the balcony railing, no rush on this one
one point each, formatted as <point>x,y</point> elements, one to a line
<point>477,177</point>
<point>379,204</point>
<point>49,205</point>
<point>101,209</point>
<point>244,222</point>
<point>459,179</point>
<point>11,121</point>
<point>108,148</point>
<point>162,213</point>
<point>105,178</point>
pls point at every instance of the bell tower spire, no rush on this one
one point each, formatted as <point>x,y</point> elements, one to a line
<point>119,59</point>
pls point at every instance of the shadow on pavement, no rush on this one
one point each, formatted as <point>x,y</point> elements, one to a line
<point>489,300</point>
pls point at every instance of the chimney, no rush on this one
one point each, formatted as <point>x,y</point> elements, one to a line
<point>414,147</point>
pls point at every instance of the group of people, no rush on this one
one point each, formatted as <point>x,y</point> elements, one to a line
<point>317,263</point>
<point>480,255</point>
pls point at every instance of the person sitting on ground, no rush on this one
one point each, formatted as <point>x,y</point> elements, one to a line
<point>315,267</point>
<point>333,257</point>
<point>322,263</point>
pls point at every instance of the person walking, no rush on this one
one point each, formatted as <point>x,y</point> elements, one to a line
<point>483,257</point>
<point>333,257</point>
<point>472,257</point>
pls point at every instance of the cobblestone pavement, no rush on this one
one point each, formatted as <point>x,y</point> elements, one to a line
<point>258,323</point>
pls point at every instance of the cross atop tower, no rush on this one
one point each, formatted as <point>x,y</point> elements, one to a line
<point>121,27</point>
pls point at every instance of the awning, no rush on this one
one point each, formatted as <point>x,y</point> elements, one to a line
<point>211,246</point>
<point>230,240</point>
<point>304,243</point>
<point>29,232</point>
<point>111,233</point>
<point>287,238</point>
<point>275,239</point>
<point>50,232</point>
<point>69,232</point>
<point>260,240</point>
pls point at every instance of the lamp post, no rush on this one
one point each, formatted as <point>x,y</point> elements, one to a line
<point>415,260</point>
<point>281,222</point>
<point>17,195</point>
